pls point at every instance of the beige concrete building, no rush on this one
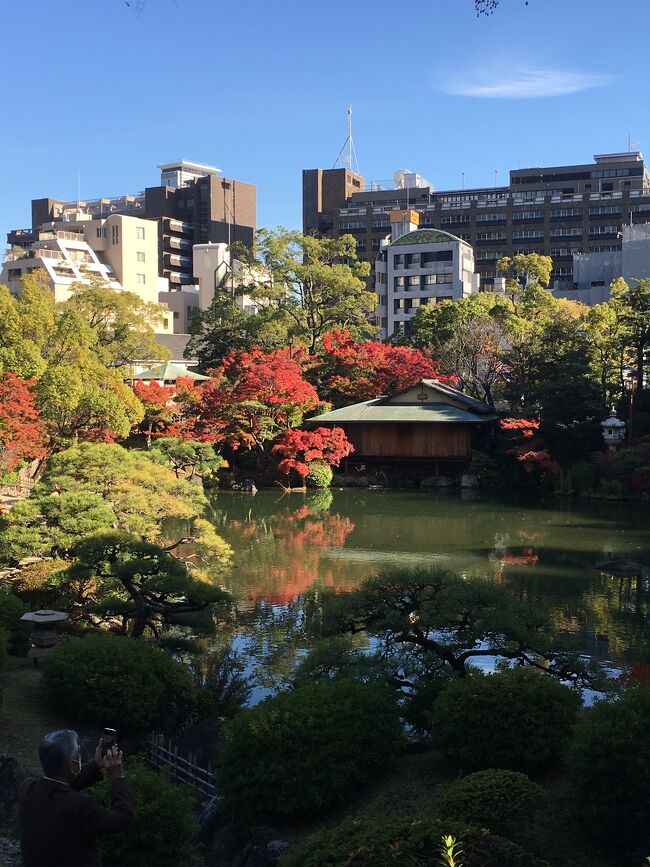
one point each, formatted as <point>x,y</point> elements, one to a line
<point>119,250</point>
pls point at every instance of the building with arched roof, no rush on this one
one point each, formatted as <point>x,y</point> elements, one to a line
<point>416,267</point>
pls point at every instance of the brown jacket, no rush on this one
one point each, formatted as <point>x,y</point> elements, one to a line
<point>60,825</point>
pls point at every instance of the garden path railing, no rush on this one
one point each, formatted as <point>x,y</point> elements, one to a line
<point>182,769</point>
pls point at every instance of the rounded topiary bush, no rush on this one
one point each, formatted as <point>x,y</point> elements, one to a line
<point>504,802</point>
<point>609,765</point>
<point>320,475</point>
<point>378,841</point>
<point>302,751</point>
<point>126,683</point>
<point>163,832</point>
<point>519,719</point>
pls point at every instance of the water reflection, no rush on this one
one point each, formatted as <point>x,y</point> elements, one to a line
<point>288,548</point>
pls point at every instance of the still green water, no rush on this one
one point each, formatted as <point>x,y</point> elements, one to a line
<point>289,547</point>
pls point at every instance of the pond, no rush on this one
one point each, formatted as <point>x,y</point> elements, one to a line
<point>289,547</point>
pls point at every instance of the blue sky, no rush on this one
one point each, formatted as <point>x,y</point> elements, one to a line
<point>104,91</point>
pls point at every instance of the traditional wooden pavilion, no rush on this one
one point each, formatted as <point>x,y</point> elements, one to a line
<point>427,422</point>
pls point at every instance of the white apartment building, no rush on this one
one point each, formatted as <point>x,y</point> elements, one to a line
<point>416,267</point>
<point>215,269</point>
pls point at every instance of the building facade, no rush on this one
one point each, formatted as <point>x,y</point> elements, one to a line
<point>119,251</point>
<point>193,204</point>
<point>556,211</point>
<point>417,267</point>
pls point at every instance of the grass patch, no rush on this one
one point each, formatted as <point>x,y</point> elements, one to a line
<point>23,718</point>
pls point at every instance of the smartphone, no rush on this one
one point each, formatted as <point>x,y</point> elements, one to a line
<point>109,739</point>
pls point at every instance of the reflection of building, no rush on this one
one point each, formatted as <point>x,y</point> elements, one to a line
<point>419,267</point>
<point>428,422</point>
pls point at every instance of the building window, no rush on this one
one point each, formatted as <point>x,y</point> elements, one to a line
<point>491,236</point>
<point>431,279</point>
<point>139,256</point>
<point>455,218</point>
<point>101,232</point>
<point>165,322</point>
<point>527,215</point>
<point>140,233</point>
<point>414,281</point>
<point>175,314</point>
<point>399,283</point>
<point>141,279</point>
<point>603,230</point>
<point>567,212</point>
<point>566,233</point>
<point>14,273</point>
<point>527,233</point>
<point>115,234</point>
<point>493,217</point>
<point>604,209</point>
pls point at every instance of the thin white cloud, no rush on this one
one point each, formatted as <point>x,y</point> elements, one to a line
<point>525,83</point>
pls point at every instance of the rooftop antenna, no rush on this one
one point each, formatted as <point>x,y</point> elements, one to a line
<point>631,145</point>
<point>348,159</point>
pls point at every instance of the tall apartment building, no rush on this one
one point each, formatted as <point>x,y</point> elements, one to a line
<point>193,204</point>
<point>557,211</point>
<point>418,267</point>
<point>120,251</point>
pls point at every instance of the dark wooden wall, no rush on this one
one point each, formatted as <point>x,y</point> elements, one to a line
<point>409,440</point>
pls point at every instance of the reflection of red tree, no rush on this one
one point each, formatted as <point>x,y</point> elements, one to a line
<point>300,540</point>
<point>638,675</point>
<point>527,557</point>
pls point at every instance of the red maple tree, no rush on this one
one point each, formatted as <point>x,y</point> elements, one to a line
<point>168,409</point>
<point>362,371</point>
<point>299,448</point>
<point>22,434</point>
<point>526,445</point>
<point>251,398</point>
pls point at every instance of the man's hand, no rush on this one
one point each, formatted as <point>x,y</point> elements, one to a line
<point>111,763</point>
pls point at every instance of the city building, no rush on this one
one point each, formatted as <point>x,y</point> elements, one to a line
<point>193,204</point>
<point>120,251</point>
<point>416,267</point>
<point>215,269</point>
<point>556,211</point>
<point>594,272</point>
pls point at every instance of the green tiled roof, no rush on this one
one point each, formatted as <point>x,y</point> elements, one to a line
<point>169,372</point>
<point>379,411</point>
<point>425,236</point>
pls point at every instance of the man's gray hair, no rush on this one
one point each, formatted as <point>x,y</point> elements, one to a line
<point>57,750</point>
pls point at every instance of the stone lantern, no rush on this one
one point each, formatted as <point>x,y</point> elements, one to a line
<point>47,628</point>
<point>613,431</point>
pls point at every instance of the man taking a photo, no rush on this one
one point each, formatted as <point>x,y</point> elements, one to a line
<point>59,824</point>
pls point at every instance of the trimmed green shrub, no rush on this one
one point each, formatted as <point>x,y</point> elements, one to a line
<point>520,719</point>
<point>163,833</point>
<point>302,751</point>
<point>17,631</point>
<point>609,764</point>
<point>382,842</point>
<point>319,475</point>
<point>504,802</point>
<point>127,683</point>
